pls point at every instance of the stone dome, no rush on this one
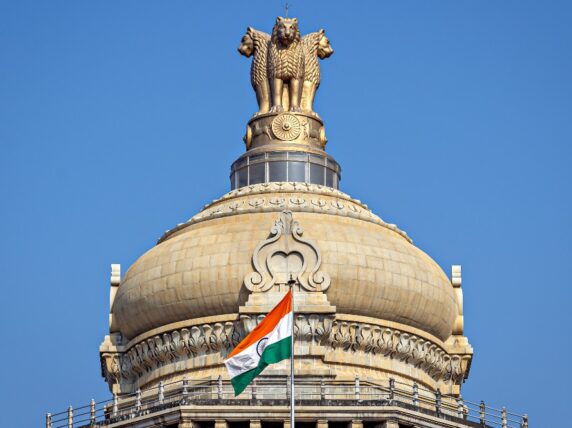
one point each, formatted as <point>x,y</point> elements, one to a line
<point>367,302</point>
<point>198,269</point>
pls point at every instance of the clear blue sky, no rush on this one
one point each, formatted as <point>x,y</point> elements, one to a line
<point>119,120</point>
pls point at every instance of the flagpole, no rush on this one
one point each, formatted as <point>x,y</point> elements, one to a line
<point>291,283</point>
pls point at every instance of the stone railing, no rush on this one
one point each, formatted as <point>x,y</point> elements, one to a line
<point>274,391</point>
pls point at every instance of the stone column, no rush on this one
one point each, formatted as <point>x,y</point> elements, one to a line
<point>322,423</point>
<point>187,423</point>
<point>220,423</point>
<point>356,423</point>
<point>287,423</point>
<point>255,423</point>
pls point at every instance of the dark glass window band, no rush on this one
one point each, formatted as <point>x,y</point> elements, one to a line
<point>285,166</point>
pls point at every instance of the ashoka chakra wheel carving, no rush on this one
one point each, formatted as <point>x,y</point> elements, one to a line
<point>286,127</point>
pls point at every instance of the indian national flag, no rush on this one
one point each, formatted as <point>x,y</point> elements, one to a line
<point>268,343</point>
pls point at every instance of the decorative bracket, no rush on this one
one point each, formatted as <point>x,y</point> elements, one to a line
<point>286,253</point>
<point>456,281</point>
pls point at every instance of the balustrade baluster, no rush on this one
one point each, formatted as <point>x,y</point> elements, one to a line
<point>438,402</point>
<point>138,400</point>
<point>115,408</point>
<point>391,390</point>
<point>161,393</point>
<point>415,394</point>
<point>70,417</point>
<point>185,392</point>
<point>92,411</point>
<point>460,407</point>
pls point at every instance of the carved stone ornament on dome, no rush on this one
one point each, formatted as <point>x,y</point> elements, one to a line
<point>286,253</point>
<point>277,197</point>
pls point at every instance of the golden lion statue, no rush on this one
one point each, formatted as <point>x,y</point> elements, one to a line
<point>316,45</point>
<point>285,63</point>
<point>285,72</point>
<point>255,43</point>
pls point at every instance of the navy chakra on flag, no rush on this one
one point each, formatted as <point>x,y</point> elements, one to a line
<point>261,345</point>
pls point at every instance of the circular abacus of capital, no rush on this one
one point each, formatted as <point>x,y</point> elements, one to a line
<point>286,127</point>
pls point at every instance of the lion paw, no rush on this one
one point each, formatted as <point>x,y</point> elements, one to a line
<point>296,109</point>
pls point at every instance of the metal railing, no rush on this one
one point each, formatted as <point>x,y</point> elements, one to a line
<point>317,391</point>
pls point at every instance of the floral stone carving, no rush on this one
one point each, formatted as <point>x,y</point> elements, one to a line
<point>286,127</point>
<point>370,345</point>
<point>286,253</point>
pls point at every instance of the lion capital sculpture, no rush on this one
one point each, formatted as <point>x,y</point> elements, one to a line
<point>285,72</point>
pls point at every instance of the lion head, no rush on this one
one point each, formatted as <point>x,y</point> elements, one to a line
<point>324,48</point>
<point>285,31</point>
<point>246,47</point>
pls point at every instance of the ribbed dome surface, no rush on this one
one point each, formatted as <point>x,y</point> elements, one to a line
<point>198,269</point>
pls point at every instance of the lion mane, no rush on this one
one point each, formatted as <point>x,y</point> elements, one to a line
<point>311,66</point>
<point>259,67</point>
<point>285,61</point>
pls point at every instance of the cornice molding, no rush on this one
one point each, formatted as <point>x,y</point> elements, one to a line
<point>324,333</point>
<point>277,197</point>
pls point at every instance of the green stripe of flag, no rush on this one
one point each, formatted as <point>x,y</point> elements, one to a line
<point>272,354</point>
